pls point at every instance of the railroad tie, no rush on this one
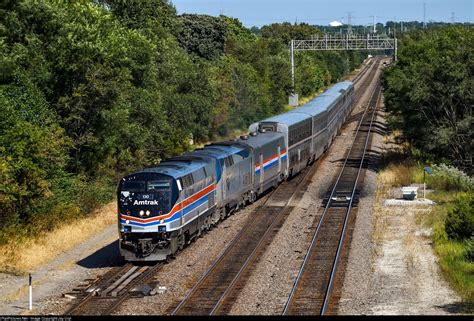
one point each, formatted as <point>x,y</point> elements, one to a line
<point>130,279</point>
<point>120,280</point>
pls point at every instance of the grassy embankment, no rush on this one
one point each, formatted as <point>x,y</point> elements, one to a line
<point>445,186</point>
<point>28,253</point>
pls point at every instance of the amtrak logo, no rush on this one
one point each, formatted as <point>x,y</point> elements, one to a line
<point>145,202</point>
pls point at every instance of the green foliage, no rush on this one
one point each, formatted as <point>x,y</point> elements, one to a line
<point>93,89</point>
<point>449,178</point>
<point>470,249</point>
<point>202,35</point>
<point>32,148</point>
<point>430,90</point>
<point>153,17</point>
<point>460,219</point>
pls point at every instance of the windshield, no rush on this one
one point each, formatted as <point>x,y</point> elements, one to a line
<point>147,191</point>
<point>158,186</point>
<point>133,186</point>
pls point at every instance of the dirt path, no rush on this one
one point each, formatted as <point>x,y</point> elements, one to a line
<point>406,272</point>
<point>392,268</point>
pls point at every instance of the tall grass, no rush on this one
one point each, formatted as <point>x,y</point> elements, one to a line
<point>457,268</point>
<point>447,183</point>
<point>23,256</point>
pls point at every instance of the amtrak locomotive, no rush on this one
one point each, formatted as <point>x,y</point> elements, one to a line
<point>163,208</point>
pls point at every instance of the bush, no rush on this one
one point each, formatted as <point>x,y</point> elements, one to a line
<point>459,222</point>
<point>449,178</point>
<point>470,249</point>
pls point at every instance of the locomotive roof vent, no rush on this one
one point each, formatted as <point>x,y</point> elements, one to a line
<point>244,137</point>
<point>262,130</point>
<point>254,134</point>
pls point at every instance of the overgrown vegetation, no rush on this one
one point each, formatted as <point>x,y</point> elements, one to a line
<point>450,219</point>
<point>90,90</point>
<point>453,232</point>
<point>428,93</point>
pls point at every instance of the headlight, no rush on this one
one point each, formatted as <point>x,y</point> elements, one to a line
<point>142,213</point>
<point>147,213</point>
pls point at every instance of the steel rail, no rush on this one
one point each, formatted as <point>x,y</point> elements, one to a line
<point>343,232</point>
<point>229,288</point>
<point>234,245</point>
<point>121,290</point>
<point>97,286</point>
<point>141,279</point>
<point>309,173</point>
<point>217,261</point>
<point>361,74</point>
<point>310,249</point>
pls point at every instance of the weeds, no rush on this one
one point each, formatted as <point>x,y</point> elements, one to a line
<point>24,254</point>
<point>452,189</point>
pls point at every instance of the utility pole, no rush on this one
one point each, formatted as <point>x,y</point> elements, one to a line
<point>394,27</point>
<point>349,22</point>
<point>374,23</point>
<point>424,15</point>
<point>292,60</point>
<point>401,28</point>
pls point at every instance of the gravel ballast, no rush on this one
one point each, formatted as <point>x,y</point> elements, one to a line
<point>370,286</point>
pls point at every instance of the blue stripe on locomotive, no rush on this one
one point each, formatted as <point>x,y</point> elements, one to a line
<point>219,152</point>
<point>185,211</point>
<point>270,164</point>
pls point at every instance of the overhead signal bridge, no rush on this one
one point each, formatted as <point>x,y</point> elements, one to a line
<point>339,42</point>
<point>345,42</point>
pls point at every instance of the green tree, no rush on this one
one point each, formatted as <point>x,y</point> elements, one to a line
<point>459,222</point>
<point>33,148</point>
<point>429,90</point>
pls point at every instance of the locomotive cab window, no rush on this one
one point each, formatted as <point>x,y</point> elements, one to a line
<point>187,180</point>
<point>228,161</point>
<point>133,186</point>
<point>268,127</point>
<point>158,186</point>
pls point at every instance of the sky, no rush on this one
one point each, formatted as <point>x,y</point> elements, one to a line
<point>321,12</point>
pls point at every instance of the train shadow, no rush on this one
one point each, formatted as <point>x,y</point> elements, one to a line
<point>457,308</point>
<point>108,256</point>
<point>371,161</point>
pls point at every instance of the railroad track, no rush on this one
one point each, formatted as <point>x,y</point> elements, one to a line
<point>217,289</point>
<point>312,291</point>
<point>361,74</point>
<point>106,294</point>
<point>219,285</point>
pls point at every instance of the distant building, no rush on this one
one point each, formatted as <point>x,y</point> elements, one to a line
<point>335,24</point>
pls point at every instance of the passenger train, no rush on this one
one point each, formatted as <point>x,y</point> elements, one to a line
<point>163,208</point>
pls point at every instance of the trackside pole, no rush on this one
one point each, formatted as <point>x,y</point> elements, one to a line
<point>424,185</point>
<point>31,293</point>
